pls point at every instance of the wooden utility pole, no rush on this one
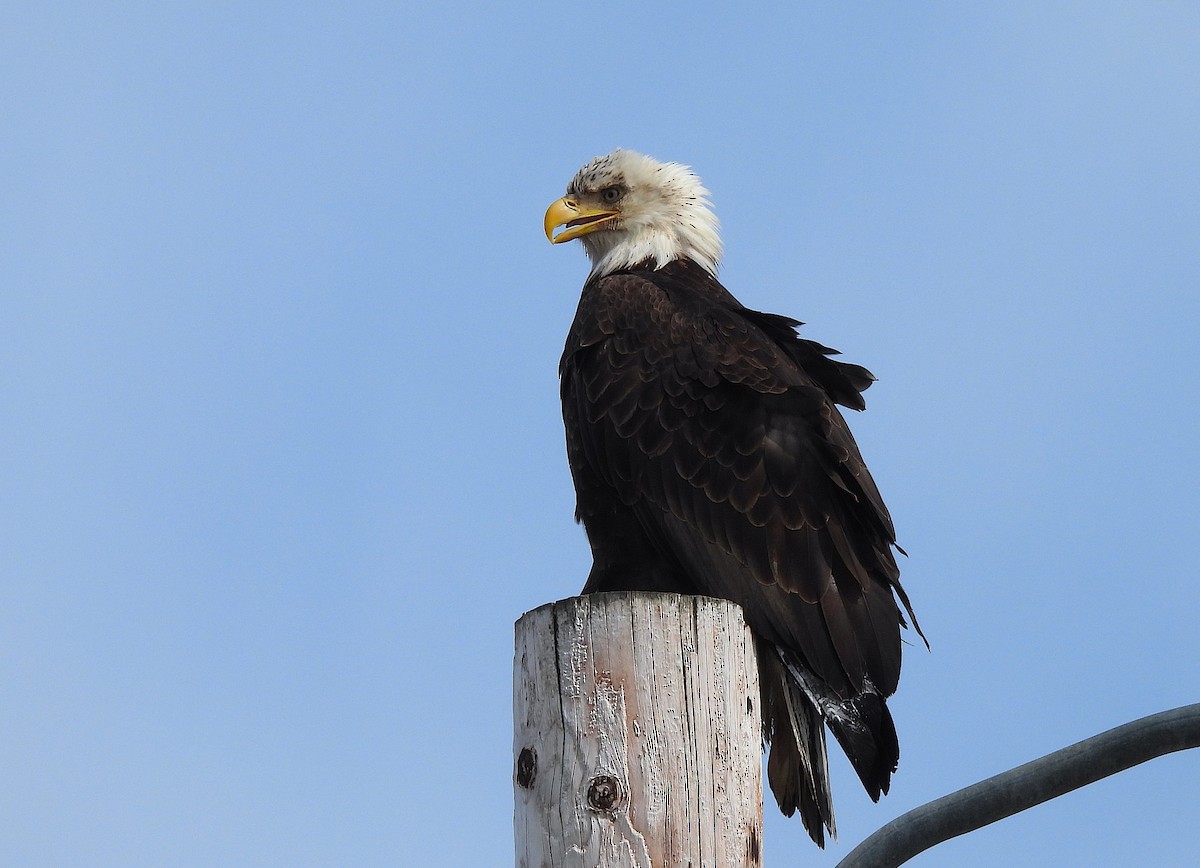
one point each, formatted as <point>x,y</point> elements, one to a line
<point>636,734</point>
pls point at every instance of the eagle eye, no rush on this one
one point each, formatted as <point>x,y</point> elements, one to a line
<point>610,194</point>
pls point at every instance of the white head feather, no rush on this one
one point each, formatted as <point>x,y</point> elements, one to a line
<point>665,214</point>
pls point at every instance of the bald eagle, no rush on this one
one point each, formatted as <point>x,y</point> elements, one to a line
<point>709,457</point>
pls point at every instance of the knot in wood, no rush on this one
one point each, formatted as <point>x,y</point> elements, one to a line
<point>526,767</point>
<point>603,794</point>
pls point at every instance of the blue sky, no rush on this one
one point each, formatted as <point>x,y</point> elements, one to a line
<point>283,454</point>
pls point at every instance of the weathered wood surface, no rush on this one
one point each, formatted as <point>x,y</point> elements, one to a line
<point>636,739</point>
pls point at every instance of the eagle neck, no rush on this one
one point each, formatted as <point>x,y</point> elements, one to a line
<point>679,276</point>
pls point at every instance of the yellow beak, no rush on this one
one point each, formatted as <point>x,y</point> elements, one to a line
<point>579,221</point>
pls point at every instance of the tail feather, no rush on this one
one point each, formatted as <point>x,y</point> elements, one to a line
<point>862,725</point>
<point>798,766</point>
<point>865,730</point>
<point>796,709</point>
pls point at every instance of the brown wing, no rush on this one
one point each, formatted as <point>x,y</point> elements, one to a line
<point>701,417</point>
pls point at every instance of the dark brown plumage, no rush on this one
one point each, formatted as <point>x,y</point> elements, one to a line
<point>709,458</point>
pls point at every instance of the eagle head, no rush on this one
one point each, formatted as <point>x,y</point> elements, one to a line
<point>629,209</point>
